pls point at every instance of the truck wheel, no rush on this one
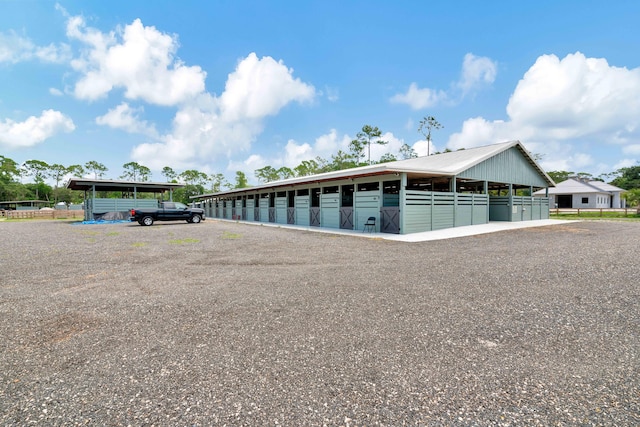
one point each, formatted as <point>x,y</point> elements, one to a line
<point>147,220</point>
<point>195,219</point>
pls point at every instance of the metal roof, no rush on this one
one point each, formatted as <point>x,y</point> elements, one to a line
<point>444,164</point>
<point>576,186</point>
<point>117,185</point>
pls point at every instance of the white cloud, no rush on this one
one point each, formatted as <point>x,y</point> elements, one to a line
<point>325,146</point>
<point>55,92</point>
<point>139,59</point>
<point>631,149</point>
<point>260,88</point>
<point>34,130</point>
<point>296,153</point>
<point>477,131</point>
<point>625,163</point>
<point>561,103</point>
<point>477,71</point>
<point>14,49</point>
<point>578,96</point>
<point>423,148</point>
<point>210,127</point>
<point>248,166</point>
<point>393,146</point>
<point>328,144</point>
<point>333,94</point>
<point>417,98</point>
<point>126,118</point>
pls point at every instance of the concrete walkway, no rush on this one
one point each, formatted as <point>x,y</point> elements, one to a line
<point>448,233</point>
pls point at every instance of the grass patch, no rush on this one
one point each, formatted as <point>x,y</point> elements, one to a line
<point>596,215</point>
<point>183,241</point>
<point>113,233</point>
<point>229,236</point>
<point>138,244</point>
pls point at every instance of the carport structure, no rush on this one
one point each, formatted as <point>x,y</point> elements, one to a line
<point>96,205</point>
<point>465,187</point>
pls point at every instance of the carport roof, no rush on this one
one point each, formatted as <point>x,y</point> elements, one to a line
<point>117,185</point>
<point>444,164</point>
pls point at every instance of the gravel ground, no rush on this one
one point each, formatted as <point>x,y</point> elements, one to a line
<point>224,323</point>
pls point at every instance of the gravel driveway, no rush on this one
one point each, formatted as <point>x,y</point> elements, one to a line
<point>224,323</point>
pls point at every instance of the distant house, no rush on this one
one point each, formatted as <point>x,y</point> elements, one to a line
<point>580,193</point>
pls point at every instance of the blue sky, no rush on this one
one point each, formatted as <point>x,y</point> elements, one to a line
<point>223,86</point>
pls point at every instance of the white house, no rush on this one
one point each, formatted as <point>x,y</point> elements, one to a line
<point>580,193</point>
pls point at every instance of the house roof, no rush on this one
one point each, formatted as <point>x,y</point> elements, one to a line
<point>577,186</point>
<point>605,187</point>
<point>444,164</point>
<point>117,185</point>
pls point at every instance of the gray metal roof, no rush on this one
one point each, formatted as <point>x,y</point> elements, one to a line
<point>576,186</point>
<point>444,164</point>
<point>119,185</point>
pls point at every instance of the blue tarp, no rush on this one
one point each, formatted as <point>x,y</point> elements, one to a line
<point>101,221</point>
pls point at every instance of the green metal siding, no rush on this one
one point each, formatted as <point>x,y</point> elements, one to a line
<point>104,205</point>
<point>264,209</point>
<point>250,209</point>
<point>228,209</point>
<point>330,210</point>
<point>426,211</point>
<point>443,211</point>
<point>302,210</point>
<point>417,212</point>
<point>281,210</point>
<point>518,208</point>
<point>367,203</point>
<point>510,166</point>
<point>499,208</point>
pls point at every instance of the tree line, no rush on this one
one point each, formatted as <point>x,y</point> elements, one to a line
<point>196,182</point>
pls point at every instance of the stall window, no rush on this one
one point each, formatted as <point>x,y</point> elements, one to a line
<point>330,190</point>
<point>315,198</point>
<point>369,186</point>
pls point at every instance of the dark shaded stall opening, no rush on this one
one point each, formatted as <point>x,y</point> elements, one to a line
<point>314,211</point>
<point>346,207</point>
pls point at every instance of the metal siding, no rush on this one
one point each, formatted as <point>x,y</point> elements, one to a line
<point>518,208</point>
<point>464,210</point>
<point>264,209</point>
<point>417,212</point>
<point>302,210</point>
<point>330,210</point>
<point>250,209</point>
<point>509,166</point>
<point>443,211</point>
<point>499,208</point>
<point>366,204</point>
<point>104,205</point>
<point>281,210</point>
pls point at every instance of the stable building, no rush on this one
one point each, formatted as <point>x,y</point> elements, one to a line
<point>465,187</point>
